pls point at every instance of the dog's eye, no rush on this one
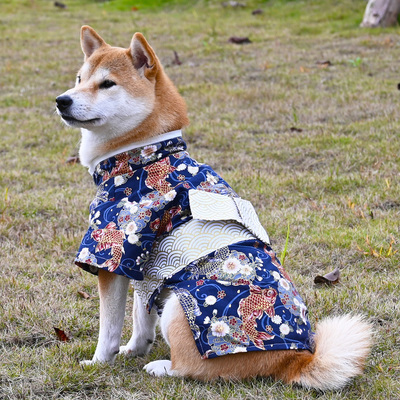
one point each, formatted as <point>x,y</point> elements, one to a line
<point>107,84</point>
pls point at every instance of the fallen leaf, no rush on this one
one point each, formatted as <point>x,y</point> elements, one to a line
<point>61,335</point>
<point>332,278</point>
<point>134,8</point>
<point>83,294</point>
<point>324,64</point>
<point>257,12</point>
<point>59,4</point>
<point>294,129</point>
<point>239,40</point>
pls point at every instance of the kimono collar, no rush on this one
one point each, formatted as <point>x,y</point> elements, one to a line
<point>133,146</point>
<point>125,163</point>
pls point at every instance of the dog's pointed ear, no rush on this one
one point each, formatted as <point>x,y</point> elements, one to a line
<point>143,56</point>
<point>90,41</point>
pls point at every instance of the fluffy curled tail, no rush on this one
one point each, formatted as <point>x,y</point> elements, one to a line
<point>341,346</point>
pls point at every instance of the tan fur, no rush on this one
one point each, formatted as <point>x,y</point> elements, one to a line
<point>105,281</point>
<point>169,108</point>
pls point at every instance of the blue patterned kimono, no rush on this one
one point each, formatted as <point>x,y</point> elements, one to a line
<point>237,298</point>
<point>142,194</point>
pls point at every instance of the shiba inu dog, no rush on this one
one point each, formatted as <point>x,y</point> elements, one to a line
<point>194,249</point>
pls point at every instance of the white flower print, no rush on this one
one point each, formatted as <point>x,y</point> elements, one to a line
<point>170,195</point>
<point>231,265</point>
<point>193,170</point>
<point>219,328</point>
<point>133,207</point>
<point>276,275</point>
<point>276,319</point>
<point>132,238</point>
<point>210,300</point>
<point>284,328</point>
<point>207,320</point>
<point>148,151</point>
<point>284,283</point>
<point>246,270</point>
<point>131,228</point>
<point>119,180</point>
<point>84,254</point>
<point>181,167</point>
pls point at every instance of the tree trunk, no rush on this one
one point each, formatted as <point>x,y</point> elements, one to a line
<point>381,13</point>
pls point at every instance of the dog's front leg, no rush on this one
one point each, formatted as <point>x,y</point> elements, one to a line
<point>113,290</point>
<point>144,330</point>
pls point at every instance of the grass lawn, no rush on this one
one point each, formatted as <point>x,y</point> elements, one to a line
<point>303,122</point>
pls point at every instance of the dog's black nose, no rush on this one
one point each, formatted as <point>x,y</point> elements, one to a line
<point>63,102</point>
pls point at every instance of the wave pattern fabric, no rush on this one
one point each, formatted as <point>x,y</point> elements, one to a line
<point>183,245</point>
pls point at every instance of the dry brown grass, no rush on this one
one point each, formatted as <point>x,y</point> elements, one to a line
<point>334,179</point>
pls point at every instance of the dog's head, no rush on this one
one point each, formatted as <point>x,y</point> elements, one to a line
<point>121,93</point>
<point>114,89</point>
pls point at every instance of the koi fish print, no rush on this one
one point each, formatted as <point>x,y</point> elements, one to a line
<point>110,238</point>
<point>252,308</point>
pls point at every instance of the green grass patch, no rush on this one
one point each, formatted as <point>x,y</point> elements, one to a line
<point>137,5</point>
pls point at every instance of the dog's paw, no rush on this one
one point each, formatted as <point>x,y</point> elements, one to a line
<point>159,368</point>
<point>136,348</point>
<point>127,351</point>
<point>96,360</point>
<point>85,363</point>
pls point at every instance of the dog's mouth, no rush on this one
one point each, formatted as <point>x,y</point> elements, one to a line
<point>72,120</point>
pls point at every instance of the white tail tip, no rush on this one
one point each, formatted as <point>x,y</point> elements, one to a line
<point>341,346</point>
